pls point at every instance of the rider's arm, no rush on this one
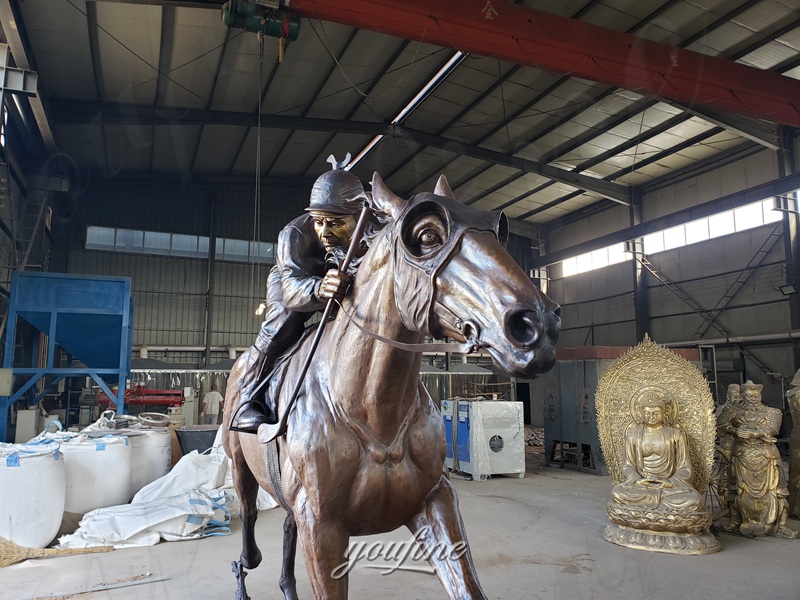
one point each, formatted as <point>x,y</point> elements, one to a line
<point>298,258</point>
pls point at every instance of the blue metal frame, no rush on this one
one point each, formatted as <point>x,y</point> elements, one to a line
<point>90,317</point>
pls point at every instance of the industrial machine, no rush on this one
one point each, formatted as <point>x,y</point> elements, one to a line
<point>65,326</point>
<point>484,437</point>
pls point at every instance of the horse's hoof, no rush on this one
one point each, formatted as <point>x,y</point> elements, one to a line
<point>290,594</point>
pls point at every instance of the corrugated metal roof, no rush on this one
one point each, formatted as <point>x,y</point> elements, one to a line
<point>148,56</point>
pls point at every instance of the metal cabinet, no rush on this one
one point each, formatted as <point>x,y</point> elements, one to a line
<point>570,417</point>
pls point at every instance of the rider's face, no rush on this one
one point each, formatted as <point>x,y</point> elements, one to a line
<point>332,229</point>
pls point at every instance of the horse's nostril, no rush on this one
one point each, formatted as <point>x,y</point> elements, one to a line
<point>524,327</point>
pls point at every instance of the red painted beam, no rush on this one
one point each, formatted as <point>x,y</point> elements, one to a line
<point>524,36</point>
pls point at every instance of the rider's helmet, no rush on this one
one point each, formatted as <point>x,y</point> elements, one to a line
<point>338,191</point>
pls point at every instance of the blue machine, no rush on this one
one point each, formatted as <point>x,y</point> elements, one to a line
<point>89,317</point>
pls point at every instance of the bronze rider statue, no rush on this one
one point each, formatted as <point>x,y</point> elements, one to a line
<point>303,279</point>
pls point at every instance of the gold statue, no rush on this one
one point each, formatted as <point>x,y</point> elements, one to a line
<point>760,506</point>
<point>725,485</point>
<point>793,398</point>
<point>656,422</point>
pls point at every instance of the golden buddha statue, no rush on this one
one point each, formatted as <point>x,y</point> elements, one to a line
<point>760,504</point>
<point>656,423</point>
<point>656,469</point>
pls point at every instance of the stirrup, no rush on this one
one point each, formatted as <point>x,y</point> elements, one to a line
<point>259,414</point>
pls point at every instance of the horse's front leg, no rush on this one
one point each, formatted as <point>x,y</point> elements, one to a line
<point>324,546</point>
<point>440,531</point>
<point>288,582</point>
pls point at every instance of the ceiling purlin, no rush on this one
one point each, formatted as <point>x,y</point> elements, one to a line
<point>539,134</point>
<point>618,193</point>
<point>539,97</point>
<point>333,66</point>
<point>634,141</point>
<point>746,124</point>
<point>361,99</point>
<point>760,132</point>
<point>486,93</point>
<point>210,100</point>
<point>643,163</point>
<point>743,126</point>
<point>213,4</point>
<point>164,62</point>
<point>544,94</point>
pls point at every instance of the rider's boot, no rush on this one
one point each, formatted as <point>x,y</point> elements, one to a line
<point>255,407</point>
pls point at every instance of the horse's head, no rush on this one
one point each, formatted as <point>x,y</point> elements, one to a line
<point>453,278</point>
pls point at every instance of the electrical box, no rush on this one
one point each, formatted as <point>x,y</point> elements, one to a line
<point>27,425</point>
<point>6,379</point>
<point>189,408</point>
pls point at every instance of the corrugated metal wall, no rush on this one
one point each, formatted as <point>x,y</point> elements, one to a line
<point>170,294</point>
<point>597,307</point>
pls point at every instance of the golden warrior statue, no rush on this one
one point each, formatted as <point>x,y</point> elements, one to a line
<point>760,505</point>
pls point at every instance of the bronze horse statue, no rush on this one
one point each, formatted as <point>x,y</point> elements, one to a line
<point>365,447</point>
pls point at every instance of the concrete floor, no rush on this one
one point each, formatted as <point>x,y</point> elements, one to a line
<point>537,537</point>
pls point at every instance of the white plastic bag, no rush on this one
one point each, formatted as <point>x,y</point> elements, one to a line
<point>205,472</point>
<point>188,515</point>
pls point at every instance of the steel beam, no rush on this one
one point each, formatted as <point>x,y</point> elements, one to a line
<point>77,112</point>
<point>776,187</point>
<point>11,26</point>
<point>546,41</point>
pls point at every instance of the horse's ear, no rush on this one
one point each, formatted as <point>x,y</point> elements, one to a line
<point>384,201</point>
<point>443,188</point>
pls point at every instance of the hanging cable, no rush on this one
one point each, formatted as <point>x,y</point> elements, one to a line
<point>257,199</point>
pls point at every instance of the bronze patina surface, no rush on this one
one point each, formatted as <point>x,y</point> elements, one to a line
<point>365,447</point>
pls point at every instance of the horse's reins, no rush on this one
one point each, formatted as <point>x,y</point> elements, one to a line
<point>465,348</point>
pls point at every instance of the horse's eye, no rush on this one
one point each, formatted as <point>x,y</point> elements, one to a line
<point>430,238</point>
<point>426,232</point>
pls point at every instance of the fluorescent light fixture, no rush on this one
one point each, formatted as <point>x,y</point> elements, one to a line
<point>428,87</point>
<point>360,156</point>
<point>451,64</point>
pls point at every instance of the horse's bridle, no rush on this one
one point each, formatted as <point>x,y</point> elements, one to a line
<point>418,273</point>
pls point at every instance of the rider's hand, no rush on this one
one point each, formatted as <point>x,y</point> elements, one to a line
<point>334,285</point>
